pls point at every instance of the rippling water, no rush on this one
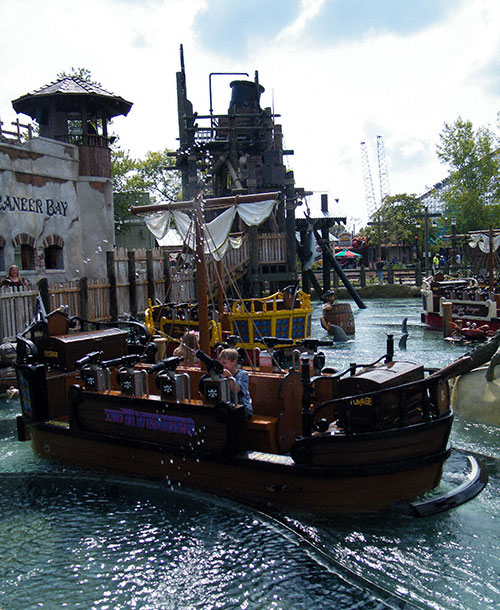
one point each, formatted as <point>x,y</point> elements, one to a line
<point>80,540</point>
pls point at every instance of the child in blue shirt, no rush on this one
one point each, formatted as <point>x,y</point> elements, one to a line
<point>229,360</point>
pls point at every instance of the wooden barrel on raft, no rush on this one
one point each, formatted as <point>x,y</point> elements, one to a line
<point>338,314</point>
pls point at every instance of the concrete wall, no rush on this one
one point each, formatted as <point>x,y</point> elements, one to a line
<point>42,195</point>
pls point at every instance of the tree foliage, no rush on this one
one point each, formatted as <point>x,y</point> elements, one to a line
<point>396,219</point>
<point>471,193</point>
<point>83,73</point>
<point>137,181</point>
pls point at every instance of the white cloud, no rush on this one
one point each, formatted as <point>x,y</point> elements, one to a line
<point>309,10</point>
<point>331,96</point>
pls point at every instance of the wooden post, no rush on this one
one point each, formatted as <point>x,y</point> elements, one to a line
<point>84,300</point>
<point>327,268</point>
<point>490,263</point>
<point>113,293</point>
<point>447,317</point>
<point>291,241</point>
<point>132,283</point>
<point>306,284</point>
<point>362,276</point>
<point>167,276</point>
<point>390,273</point>
<point>1,318</point>
<point>418,274</point>
<point>150,276</point>
<point>201,283</point>
<point>220,287</point>
<point>43,288</point>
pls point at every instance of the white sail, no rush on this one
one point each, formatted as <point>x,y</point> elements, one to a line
<point>216,233</point>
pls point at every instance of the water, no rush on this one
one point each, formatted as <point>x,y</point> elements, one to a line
<point>82,540</point>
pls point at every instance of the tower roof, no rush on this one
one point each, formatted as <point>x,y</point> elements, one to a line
<point>69,93</point>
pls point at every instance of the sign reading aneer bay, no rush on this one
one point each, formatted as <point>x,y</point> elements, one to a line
<point>47,207</point>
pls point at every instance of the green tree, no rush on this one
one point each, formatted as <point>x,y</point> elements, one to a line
<point>471,192</point>
<point>396,219</point>
<point>155,176</point>
<point>124,195</point>
<point>137,181</point>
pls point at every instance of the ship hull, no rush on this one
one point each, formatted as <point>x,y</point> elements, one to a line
<point>262,480</point>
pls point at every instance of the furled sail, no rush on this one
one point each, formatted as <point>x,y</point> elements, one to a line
<point>216,233</point>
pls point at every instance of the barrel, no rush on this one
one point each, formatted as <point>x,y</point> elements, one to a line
<point>341,315</point>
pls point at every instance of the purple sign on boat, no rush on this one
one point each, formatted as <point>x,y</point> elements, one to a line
<point>150,421</point>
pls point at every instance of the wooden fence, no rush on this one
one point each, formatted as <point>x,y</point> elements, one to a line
<point>134,277</point>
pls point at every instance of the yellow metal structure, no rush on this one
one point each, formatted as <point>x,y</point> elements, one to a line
<point>279,315</point>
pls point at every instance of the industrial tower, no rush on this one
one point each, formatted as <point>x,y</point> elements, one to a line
<point>371,203</point>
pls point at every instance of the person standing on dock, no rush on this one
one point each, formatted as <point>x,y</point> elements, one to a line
<point>380,271</point>
<point>435,264</point>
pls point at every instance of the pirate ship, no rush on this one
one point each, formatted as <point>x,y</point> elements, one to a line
<point>319,441</point>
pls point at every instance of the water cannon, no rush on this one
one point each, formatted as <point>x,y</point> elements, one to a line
<point>390,349</point>
<point>214,367</point>
<point>267,358</point>
<point>311,345</point>
<point>230,341</point>
<point>91,358</point>
<point>172,385</point>
<point>93,373</point>
<point>167,364</point>
<point>132,382</point>
<point>213,386</point>
<point>312,359</point>
<point>272,342</point>
<point>129,361</point>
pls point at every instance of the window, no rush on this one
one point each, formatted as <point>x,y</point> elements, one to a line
<point>27,256</point>
<point>53,248</point>
<point>24,251</point>
<point>54,257</point>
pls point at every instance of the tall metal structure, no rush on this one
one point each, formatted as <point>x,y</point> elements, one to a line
<point>382,170</point>
<point>371,204</point>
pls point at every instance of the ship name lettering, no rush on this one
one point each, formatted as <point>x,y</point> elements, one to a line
<point>150,421</point>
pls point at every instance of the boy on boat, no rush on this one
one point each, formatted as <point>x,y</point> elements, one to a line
<point>229,360</point>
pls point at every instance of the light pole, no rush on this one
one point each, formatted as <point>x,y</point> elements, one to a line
<point>425,246</point>
<point>454,241</point>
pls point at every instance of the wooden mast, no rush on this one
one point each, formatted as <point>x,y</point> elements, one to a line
<point>197,204</point>
<point>490,263</point>
<point>201,277</point>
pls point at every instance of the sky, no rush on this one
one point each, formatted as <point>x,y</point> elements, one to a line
<point>338,72</point>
